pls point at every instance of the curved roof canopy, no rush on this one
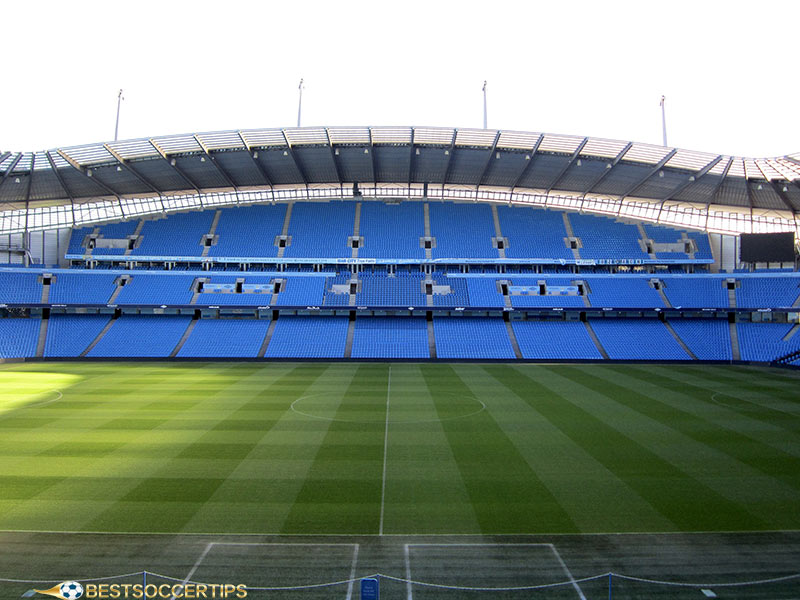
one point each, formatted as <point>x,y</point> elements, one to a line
<point>511,160</point>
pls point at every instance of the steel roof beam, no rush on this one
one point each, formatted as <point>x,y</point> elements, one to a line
<point>692,179</point>
<point>87,172</point>
<point>217,166</point>
<point>60,179</point>
<point>4,156</point>
<point>290,154</point>
<point>174,166</point>
<point>566,167</point>
<point>485,169</point>
<point>449,151</point>
<point>254,157</point>
<point>11,168</point>
<point>412,154</point>
<point>333,157</point>
<point>650,173</point>
<point>530,162</point>
<point>718,187</point>
<point>776,189</point>
<point>131,169</point>
<point>372,157</point>
<point>609,167</point>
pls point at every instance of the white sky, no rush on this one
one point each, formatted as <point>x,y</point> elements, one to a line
<point>590,68</point>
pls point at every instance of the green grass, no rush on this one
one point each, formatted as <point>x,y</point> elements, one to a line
<point>473,449</point>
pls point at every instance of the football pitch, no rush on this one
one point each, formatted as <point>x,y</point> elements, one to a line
<point>469,476</point>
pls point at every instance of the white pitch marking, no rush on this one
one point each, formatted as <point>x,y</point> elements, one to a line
<point>479,544</point>
<point>409,594</point>
<point>567,571</point>
<point>352,573</point>
<point>385,446</point>
<point>196,565</point>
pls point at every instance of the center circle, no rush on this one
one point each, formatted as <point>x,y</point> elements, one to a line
<point>325,406</point>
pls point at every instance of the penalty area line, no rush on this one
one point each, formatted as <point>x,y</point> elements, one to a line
<point>196,565</point>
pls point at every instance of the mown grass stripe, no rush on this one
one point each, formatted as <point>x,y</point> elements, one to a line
<point>762,413</point>
<point>188,495</point>
<point>743,449</point>
<point>349,502</point>
<point>507,494</point>
<point>682,499</point>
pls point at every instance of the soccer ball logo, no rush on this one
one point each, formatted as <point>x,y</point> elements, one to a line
<point>71,590</point>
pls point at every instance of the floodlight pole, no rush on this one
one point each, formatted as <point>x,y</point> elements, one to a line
<point>299,101</point>
<point>484,104</point>
<point>664,119</point>
<point>119,102</point>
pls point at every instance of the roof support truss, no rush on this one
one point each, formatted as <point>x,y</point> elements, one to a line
<point>214,162</point>
<point>87,172</point>
<point>691,179</point>
<point>488,162</point>
<point>609,167</point>
<point>530,162</point>
<point>128,167</point>
<point>174,165</point>
<point>254,157</point>
<point>566,167</point>
<point>650,173</point>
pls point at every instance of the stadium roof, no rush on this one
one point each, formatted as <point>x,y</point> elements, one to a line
<point>473,157</point>
<point>481,159</point>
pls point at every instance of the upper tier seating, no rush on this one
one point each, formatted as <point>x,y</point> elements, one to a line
<point>392,231</point>
<point>604,238</point>
<point>323,229</point>
<point>249,231</point>
<point>320,230</point>
<point>462,230</point>
<point>533,233</point>
<point>177,235</point>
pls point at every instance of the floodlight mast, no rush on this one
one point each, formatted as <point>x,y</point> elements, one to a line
<point>664,119</point>
<point>484,105</point>
<point>116,127</point>
<point>299,101</point>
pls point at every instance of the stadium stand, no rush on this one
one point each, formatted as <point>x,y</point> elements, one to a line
<point>69,335</point>
<point>225,338</point>
<point>378,289</point>
<point>157,289</point>
<point>390,337</point>
<point>177,235</point>
<point>82,288</point>
<point>534,299</point>
<point>392,231</point>
<point>483,292</point>
<point>696,292</point>
<point>248,231</point>
<point>604,238</point>
<point>764,341</point>
<point>320,230</point>
<point>18,337</point>
<point>623,293</point>
<point>19,288</point>
<point>462,230</point>
<point>767,292</point>
<point>308,337</point>
<point>708,339</point>
<point>472,337</point>
<point>637,339</point>
<point>533,233</point>
<point>555,340</point>
<point>141,336</point>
